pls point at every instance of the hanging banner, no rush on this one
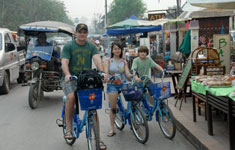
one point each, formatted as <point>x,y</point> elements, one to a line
<point>222,44</point>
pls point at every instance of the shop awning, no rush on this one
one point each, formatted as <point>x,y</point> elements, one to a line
<point>133,30</point>
<point>131,23</point>
<point>221,4</point>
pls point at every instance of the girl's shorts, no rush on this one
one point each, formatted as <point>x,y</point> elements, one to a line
<point>113,88</point>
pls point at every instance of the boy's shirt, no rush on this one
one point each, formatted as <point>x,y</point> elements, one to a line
<point>143,67</point>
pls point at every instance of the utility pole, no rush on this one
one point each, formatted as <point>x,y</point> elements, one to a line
<point>105,21</point>
<point>178,7</point>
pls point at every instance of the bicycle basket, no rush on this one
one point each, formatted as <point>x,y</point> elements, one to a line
<point>161,90</point>
<point>131,93</point>
<point>90,99</point>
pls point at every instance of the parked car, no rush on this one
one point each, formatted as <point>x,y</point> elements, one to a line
<point>12,60</point>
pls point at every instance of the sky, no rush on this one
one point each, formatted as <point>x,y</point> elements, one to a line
<point>85,9</point>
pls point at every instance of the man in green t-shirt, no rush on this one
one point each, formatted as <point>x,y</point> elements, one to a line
<point>76,56</point>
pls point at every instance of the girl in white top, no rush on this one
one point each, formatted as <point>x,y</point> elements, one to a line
<point>118,67</point>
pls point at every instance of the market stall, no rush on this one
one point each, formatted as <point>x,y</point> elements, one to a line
<point>227,106</point>
<point>217,92</point>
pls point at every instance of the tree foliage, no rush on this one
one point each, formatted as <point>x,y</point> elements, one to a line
<point>14,13</point>
<point>120,9</point>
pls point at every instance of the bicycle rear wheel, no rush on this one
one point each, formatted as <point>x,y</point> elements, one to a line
<point>119,120</point>
<point>93,138</point>
<point>167,121</point>
<point>139,125</point>
<point>68,141</point>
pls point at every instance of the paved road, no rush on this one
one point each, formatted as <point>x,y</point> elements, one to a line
<point>22,128</point>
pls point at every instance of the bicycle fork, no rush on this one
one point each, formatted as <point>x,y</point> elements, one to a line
<point>59,122</point>
<point>130,111</point>
<point>122,110</point>
<point>159,110</point>
<point>89,126</point>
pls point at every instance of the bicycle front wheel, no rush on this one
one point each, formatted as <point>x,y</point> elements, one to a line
<point>119,120</point>
<point>93,138</point>
<point>167,121</point>
<point>139,125</point>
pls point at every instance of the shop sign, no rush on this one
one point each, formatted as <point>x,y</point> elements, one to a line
<point>156,16</point>
<point>222,44</point>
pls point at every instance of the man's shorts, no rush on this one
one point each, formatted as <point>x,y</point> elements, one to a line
<point>113,88</point>
<point>69,87</point>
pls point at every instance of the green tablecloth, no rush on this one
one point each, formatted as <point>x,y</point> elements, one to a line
<point>218,91</point>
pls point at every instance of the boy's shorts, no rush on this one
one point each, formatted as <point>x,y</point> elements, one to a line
<point>113,88</point>
<point>69,87</point>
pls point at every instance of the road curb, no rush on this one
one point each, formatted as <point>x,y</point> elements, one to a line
<point>189,136</point>
<point>193,133</point>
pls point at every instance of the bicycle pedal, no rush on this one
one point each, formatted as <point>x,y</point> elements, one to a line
<point>59,123</point>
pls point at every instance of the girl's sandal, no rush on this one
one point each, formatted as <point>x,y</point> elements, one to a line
<point>68,135</point>
<point>102,146</point>
<point>111,133</point>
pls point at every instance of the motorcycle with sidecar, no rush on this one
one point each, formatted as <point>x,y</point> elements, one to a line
<point>43,67</point>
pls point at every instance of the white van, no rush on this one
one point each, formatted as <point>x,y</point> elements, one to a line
<point>11,61</point>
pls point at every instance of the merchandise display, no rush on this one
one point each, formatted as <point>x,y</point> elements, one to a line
<point>214,81</point>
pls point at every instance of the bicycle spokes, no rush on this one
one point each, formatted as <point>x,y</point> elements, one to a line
<point>166,121</point>
<point>139,125</point>
<point>92,135</point>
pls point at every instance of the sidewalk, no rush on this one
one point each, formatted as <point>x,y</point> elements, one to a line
<point>196,132</point>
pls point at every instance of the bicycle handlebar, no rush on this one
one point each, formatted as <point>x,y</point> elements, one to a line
<point>117,77</point>
<point>74,78</point>
<point>147,76</point>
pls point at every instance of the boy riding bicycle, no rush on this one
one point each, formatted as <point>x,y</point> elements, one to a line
<point>143,63</point>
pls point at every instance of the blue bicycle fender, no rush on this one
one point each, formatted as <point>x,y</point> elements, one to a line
<point>158,111</point>
<point>166,113</point>
<point>156,115</point>
<point>62,114</point>
<point>129,119</point>
<point>129,112</point>
<point>87,125</point>
<point>161,113</point>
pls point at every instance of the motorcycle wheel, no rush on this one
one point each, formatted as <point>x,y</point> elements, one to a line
<point>34,97</point>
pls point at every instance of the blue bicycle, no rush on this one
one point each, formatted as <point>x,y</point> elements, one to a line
<point>158,92</point>
<point>90,100</point>
<point>133,114</point>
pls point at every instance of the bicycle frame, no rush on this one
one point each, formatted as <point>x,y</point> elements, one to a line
<point>77,124</point>
<point>156,107</point>
<point>151,109</point>
<point>125,112</point>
